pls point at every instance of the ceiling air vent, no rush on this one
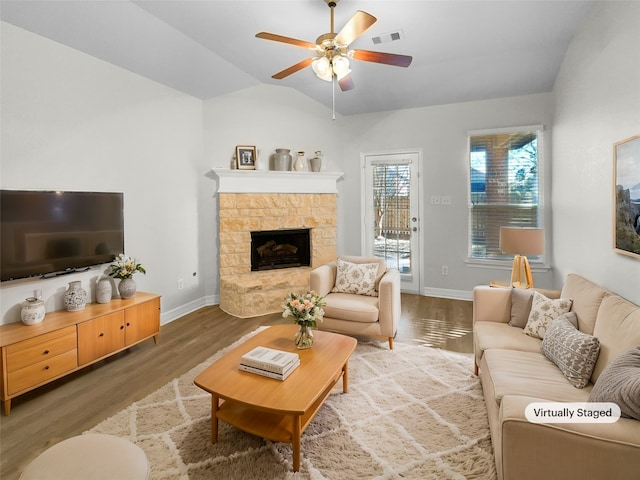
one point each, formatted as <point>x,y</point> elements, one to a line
<point>388,37</point>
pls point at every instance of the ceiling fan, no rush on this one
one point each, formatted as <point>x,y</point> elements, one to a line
<point>332,52</point>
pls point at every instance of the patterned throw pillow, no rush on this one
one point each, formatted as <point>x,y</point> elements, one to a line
<point>619,383</point>
<point>359,278</point>
<point>543,312</point>
<point>574,352</point>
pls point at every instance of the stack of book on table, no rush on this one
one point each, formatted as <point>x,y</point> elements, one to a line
<point>269,362</point>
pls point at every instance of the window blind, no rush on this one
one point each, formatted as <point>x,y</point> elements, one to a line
<point>504,187</point>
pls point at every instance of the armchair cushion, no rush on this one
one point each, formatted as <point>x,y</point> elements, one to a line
<point>356,308</point>
<point>357,278</point>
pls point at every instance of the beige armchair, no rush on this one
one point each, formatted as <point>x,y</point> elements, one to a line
<point>374,314</point>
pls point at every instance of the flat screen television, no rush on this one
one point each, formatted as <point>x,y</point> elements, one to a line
<point>51,233</point>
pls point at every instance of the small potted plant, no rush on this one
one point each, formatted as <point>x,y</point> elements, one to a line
<point>123,268</point>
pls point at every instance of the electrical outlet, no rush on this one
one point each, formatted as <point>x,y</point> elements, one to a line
<point>180,284</point>
<point>445,270</point>
<point>435,200</point>
<point>445,200</point>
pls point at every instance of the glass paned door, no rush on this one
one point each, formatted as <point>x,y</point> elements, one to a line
<point>391,216</point>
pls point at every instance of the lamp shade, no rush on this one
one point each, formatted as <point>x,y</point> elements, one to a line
<point>522,241</point>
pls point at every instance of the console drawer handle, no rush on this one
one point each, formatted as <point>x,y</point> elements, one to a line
<point>101,334</point>
<point>46,367</point>
<point>46,352</point>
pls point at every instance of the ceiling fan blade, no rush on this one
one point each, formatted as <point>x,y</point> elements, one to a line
<point>289,40</point>
<point>381,57</point>
<point>346,83</point>
<point>354,27</point>
<point>293,69</point>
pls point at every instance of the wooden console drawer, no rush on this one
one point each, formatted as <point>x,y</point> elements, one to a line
<point>42,371</point>
<point>42,347</point>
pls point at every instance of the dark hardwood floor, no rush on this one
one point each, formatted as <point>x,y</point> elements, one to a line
<point>76,403</point>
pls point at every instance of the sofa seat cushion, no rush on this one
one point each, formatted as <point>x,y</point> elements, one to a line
<point>510,372</point>
<point>348,306</point>
<point>491,335</point>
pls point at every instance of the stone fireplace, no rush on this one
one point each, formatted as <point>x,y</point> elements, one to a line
<point>272,204</point>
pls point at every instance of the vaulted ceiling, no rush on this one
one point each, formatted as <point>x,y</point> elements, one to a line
<point>462,50</point>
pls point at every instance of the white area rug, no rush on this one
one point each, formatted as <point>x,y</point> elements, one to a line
<point>411,413</point>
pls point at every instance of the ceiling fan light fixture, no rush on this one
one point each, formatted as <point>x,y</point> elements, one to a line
<point>322,68</point>
<point>340,66</point>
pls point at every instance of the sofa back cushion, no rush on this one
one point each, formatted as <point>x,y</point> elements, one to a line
<point>586,297</point>
<point>618,329</point>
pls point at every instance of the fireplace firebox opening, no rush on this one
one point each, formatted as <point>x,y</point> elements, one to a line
<point>271,249</point>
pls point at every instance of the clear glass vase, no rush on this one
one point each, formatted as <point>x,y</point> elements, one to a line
<point>304,337</point>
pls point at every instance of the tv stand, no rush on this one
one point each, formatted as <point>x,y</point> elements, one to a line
<point>34,355</point>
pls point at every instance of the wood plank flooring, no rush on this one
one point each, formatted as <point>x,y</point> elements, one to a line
<point>74,404</point>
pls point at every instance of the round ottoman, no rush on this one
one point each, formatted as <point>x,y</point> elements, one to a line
<point>91,456</point>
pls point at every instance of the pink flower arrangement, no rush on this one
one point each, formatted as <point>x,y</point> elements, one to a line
<point>306,309</point>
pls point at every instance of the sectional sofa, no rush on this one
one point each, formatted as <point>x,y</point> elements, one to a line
<point>518,368</point>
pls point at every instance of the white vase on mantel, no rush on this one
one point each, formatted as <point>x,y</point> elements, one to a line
<point>261,165</point>
<point>298,165</point>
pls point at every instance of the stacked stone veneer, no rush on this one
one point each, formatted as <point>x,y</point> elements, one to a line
<point>244,293</point>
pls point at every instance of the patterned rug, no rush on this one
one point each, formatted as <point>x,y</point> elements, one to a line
<point>413,413</point>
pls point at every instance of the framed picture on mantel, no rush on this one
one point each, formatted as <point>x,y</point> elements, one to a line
<point>245,157</point>
<point>626,196</point>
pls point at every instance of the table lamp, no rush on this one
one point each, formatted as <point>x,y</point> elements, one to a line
<point>521,241</point>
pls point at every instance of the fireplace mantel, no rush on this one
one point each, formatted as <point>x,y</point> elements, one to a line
<point>253,181</point>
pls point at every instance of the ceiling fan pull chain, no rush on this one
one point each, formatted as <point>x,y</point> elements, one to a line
<point>333,90</point>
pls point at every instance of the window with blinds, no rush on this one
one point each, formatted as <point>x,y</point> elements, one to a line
<point>504,187</point>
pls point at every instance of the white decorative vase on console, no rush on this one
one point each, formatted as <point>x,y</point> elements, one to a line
<point>127,288</point>
<point>32,311</point>
<point>75,298</point>
<point>103,290</point>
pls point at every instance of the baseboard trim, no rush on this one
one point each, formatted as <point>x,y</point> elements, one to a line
<point>448,293</point>
<point>192,306</point>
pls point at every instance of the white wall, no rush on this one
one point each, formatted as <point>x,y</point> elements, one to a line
<point>72,122</point>
<point>597,96</point>
<point>441,133</point>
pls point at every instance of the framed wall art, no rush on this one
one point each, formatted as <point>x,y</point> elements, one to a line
<point>246,157</point>
<point>626,204</point>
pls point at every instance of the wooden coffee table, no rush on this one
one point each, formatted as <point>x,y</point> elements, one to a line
<point>274,409</point>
